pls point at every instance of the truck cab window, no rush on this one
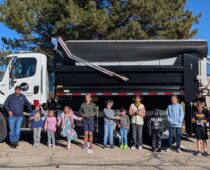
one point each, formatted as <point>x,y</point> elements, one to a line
<point>24,67</point>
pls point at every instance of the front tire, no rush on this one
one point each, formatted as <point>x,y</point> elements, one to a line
<point>3,127</point>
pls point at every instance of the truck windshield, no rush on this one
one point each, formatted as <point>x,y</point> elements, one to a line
<point>4,61</point>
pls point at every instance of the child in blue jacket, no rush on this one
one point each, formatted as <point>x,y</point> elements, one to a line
<point>175,117</point>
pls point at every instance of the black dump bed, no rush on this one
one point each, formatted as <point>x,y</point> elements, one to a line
<point>135,50</point>
<point>178,77</point>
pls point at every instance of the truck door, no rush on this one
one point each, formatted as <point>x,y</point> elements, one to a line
<point>27,73</point>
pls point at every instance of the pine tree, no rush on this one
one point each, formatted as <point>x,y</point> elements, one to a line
<point>39,20</point>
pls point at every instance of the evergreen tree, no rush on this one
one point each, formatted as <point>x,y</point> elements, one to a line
<point>39,20</point>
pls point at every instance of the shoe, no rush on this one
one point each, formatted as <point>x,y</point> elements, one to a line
<point>104,146</point>
<point>179,150</point>
<point>153,149</point>
<point>133,147</point>
<point>35,145</point>
<point>85,147</point>
<point>68,147</point>
<point>112,146</point>
<point>198,153</point>
<point>125,146</point>
<point>49,145</point>
<point>140,148</point>
<point>121,146</point>
<point>16,144</point>
<point>159,150</point>
<point>53,146</point>
<point>12,146</point>
<point>205,154</point>
<point>168,150</point>
<point>91,146</point>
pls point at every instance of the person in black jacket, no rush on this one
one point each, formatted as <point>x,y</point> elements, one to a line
<point>155,126</point>
<point>14,105</point>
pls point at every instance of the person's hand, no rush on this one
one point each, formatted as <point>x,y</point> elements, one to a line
<point>10,113</point>
<point>117,117</point>
<point>81,118</point>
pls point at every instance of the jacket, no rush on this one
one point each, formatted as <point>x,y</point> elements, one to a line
<point>175,115</point>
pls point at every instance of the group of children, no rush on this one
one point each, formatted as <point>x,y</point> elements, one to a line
<point>175,117</point>
<point>66,122</point>
<point>174,113</point>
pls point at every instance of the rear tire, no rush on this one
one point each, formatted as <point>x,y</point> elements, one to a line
<point>3,127</point>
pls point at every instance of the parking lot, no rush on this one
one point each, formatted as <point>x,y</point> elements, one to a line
<point>27,157</point>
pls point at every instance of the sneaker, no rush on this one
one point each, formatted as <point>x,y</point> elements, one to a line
<point>205,154</point>
<point>85,147</point>
<point>159,150</point>
<point>49,145</point>
<point>168,150</point>
<point>133,147</point>
<point>91,146</point>
<point>68,147</point>
<point>53,146</point>
<point>112,146</point>
<point>125,146</point>
<point>179,150</point>
<point>140,148</point>
<point>104,146</point>
<point>198,153</point>
<point>153,149</point>
<point>35,145</point>
<point>121,146</point>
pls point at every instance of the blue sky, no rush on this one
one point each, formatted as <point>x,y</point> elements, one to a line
<point>196,6</point>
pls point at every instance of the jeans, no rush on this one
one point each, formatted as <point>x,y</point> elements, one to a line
<point>15,123</point>
<point>51,137</point>
<point>156,138</point>
<point>124,135</point>
<point>37,135</point>
<point>108,132</point>
<point>177,133</point>
<point>137,135</point>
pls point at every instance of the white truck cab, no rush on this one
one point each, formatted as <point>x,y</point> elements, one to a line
<point>28,70</point>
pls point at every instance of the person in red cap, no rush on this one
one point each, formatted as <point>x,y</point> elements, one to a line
<point>37,122</point>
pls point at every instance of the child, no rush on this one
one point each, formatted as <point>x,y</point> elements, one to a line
<point>200,118</point>
<point>88,110</point>
<point>50,128</point>
<point>175,117</point>
<point>109,118</point>
<point>124,124</point>
<point>137,112</point>
<point>37,123</point>
<point>155,127</point>
<point>67,125</point>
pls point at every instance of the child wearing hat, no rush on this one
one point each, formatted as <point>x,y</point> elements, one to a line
<point>37,122</point>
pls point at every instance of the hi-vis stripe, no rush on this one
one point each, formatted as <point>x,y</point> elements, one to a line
<point>122,94</point>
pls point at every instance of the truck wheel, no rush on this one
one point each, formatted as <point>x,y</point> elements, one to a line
<point>3,127</point>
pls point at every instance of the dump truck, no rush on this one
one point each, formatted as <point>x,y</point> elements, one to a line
<point>108,69</point>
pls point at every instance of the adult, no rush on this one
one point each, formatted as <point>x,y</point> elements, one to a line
<point>88,110</point>
<point>175,117</point>
<point>137,113</point>
<point>14,105</point>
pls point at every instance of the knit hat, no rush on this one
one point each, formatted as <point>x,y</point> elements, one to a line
<point>36,103</point>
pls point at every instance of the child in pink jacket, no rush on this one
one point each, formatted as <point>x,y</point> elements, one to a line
<point>67,125</point>
<point>50,128</point>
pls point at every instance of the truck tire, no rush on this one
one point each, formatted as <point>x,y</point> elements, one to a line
<point>3,127</point>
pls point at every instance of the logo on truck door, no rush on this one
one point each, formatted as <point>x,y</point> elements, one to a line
<point>24,86</point>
